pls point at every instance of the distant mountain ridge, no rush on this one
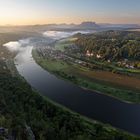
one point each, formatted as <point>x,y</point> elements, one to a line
<point>120,25</point>
<point>88,25</point>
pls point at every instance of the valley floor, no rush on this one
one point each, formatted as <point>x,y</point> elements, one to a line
<point>25,114</point>
<point>120,86</point>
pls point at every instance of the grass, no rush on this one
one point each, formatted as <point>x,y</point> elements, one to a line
<point>64,43</point>
<point>125,69</point>
<point>47,120</point>
<point>122,87</point>
<point>117,69</point>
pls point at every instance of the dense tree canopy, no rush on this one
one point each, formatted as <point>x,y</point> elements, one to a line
<point>25,115</point>
<point>113,45</point>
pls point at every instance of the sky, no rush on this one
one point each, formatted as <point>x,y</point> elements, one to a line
<point>25,12</point>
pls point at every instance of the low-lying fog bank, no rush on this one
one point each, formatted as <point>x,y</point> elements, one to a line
<point>47,37</point>
<point>61,34</point>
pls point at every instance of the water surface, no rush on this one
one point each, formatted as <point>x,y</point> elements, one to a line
<point>93,105</point>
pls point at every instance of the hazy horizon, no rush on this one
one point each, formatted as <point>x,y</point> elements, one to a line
<point>20,25</point>
<point>24,12</point>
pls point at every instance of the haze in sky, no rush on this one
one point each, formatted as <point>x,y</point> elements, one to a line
<point>21,12</point>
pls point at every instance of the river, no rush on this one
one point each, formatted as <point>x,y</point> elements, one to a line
<point>90,104</point>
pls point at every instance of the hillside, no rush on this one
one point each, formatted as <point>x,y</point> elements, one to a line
<point>26,115</point>
<point>111,45</point>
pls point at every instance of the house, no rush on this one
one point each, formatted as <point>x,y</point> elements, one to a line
<point>98,56</point>
<point>91,54</point>
<point>109,61</point>
<point>131,67</point>
<point>88,53</point>
<point>125,60</point>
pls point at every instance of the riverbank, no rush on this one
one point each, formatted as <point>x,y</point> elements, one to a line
<point>45,119</point>
<point>74,74</point>
<point>22,108</point>
<point>69,47</point>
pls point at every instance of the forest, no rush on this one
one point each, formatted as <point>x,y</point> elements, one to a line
<point>111,45</point>
<point>26,115</point>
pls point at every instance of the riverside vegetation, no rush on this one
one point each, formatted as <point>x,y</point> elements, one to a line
<point>25,114</point>
<point>114,73</point>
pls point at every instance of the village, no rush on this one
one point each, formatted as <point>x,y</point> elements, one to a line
<point>51,52</point>
<point>123,63</point>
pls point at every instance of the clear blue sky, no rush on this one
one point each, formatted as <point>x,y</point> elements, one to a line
<point>58,11</point>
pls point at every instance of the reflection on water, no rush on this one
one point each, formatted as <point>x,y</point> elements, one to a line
<point>93,105</point>
<point>90,104</point>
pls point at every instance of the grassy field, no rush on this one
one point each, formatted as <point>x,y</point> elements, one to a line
<point>119,86</point>
<point>62,44</point>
